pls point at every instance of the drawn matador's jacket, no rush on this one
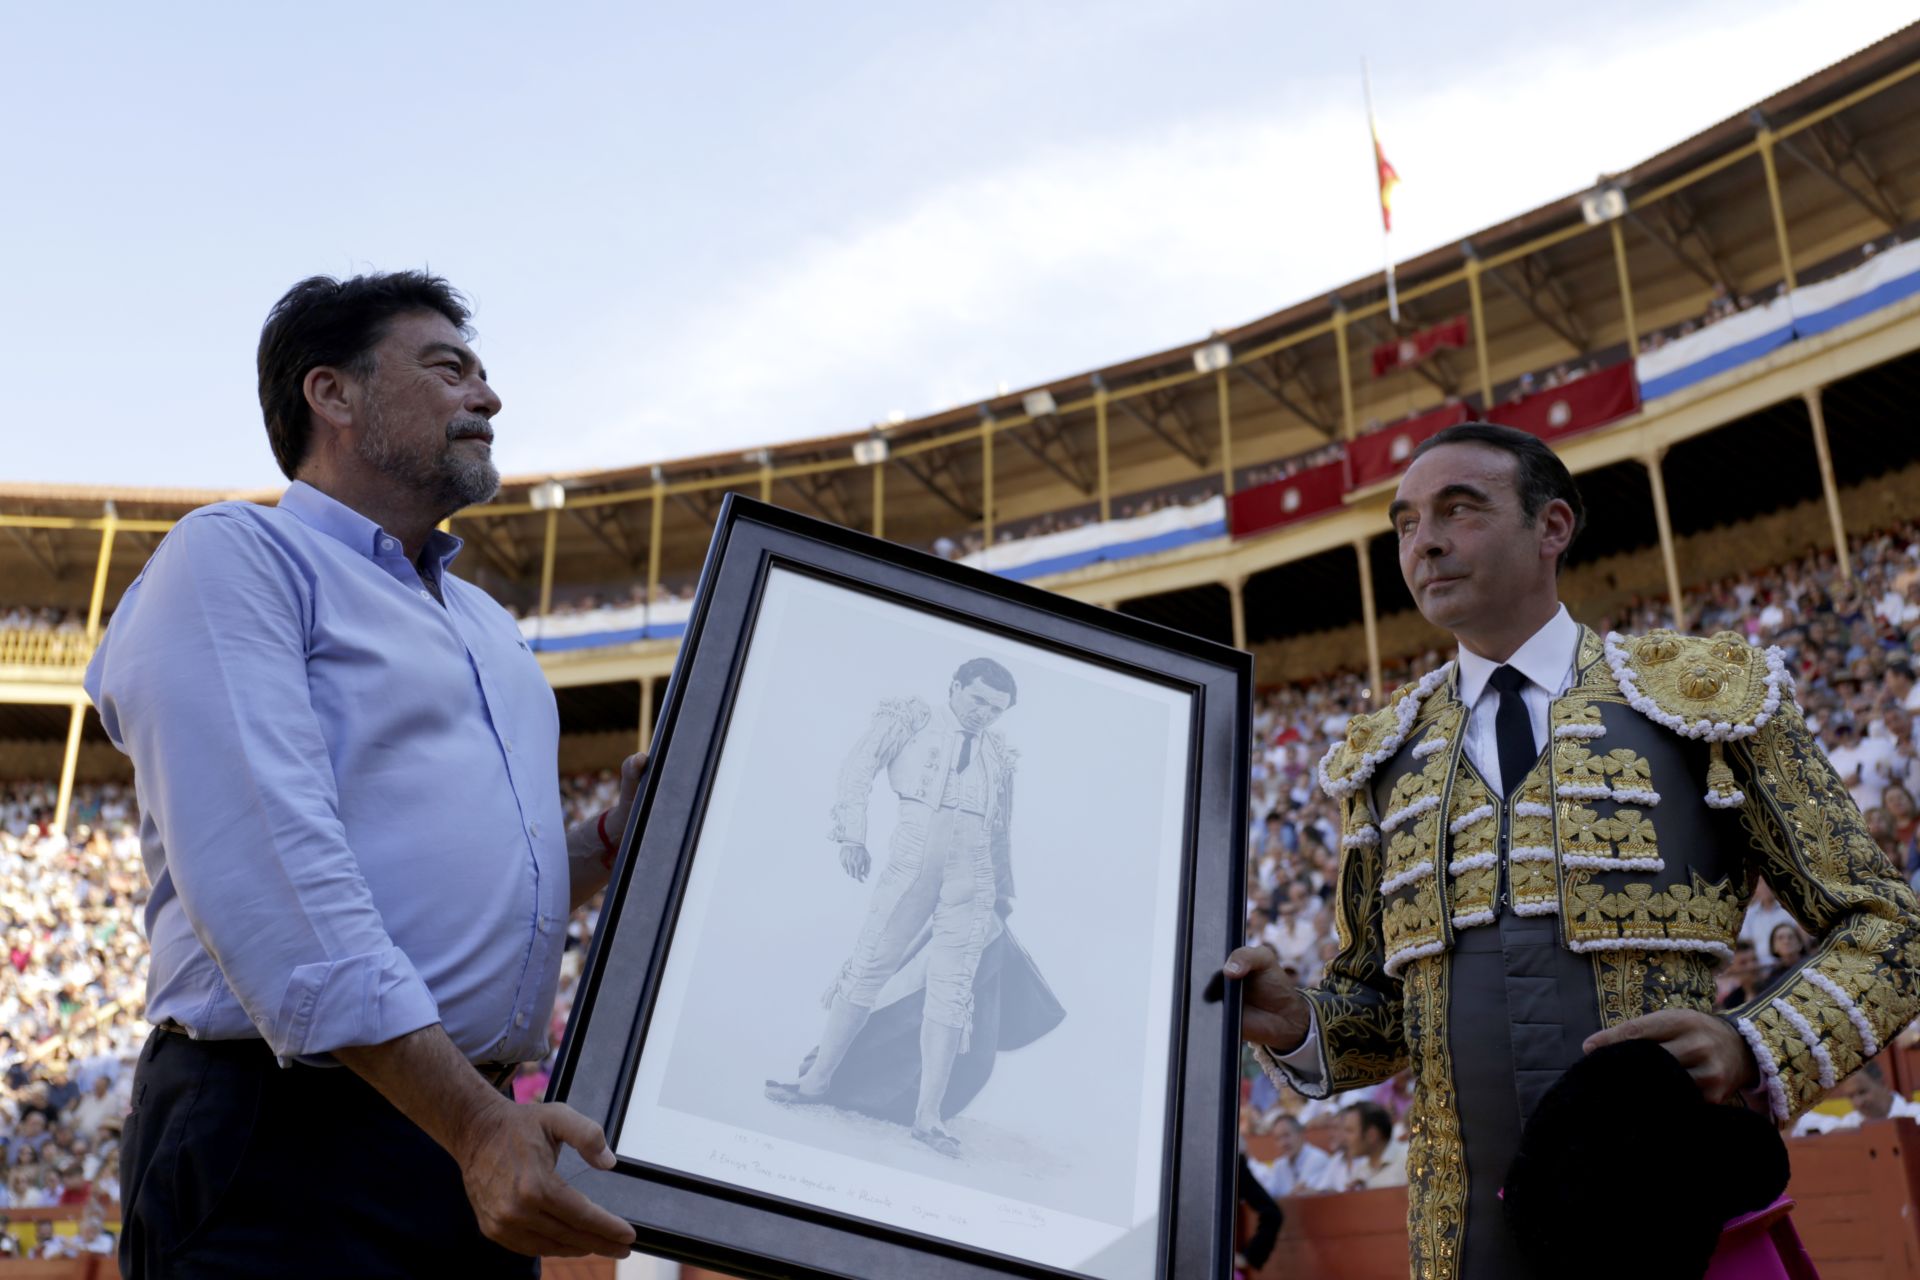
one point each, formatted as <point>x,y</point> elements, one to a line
<point>916,748</point>
<point>1678,768</point>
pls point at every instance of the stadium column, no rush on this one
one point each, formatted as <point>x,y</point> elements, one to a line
<point>546,561</point>
<point>1479,328</point>
<point>1765,139</point>
<point>880,498</point>
<point>1226,430</point>
<point>1626,288</point>
<point>659,517</point>
<point>646,712</point>
<point>1237,604</point>
<point>1817,414</point>
<point>1100,444</point>
<point>1369,615</point>
<point>1657,478</point>
<point>71,759</point>
<point>1346,369</point>
<point>986,493</point>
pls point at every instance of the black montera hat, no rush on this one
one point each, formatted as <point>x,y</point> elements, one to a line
<point>1625,1136</point>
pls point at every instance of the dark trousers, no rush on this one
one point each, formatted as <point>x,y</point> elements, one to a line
<point>231,1165</point>
<point>1521,1006</point>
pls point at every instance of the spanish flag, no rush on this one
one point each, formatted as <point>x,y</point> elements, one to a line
<point>1389,180</point>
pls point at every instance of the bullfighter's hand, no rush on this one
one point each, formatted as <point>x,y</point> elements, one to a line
<point>1708,1047</point>
<point>1272,1010</point>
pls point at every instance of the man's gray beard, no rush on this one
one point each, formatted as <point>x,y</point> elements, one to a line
<point>449,479</point>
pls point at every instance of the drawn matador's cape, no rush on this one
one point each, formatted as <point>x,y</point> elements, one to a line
<point>1678,768</point>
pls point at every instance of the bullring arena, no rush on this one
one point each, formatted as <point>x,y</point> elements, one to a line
<point>1716,341</point>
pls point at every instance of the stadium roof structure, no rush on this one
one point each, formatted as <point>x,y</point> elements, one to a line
<point>1778,194</point>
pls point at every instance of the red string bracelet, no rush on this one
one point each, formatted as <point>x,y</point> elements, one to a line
<point>608,849</point>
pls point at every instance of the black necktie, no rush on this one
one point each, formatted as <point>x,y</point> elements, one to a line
<point>1512,729</point>
<point>966,753</point>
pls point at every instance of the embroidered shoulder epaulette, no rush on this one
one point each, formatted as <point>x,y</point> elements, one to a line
<point>1371,739</point>
<point>1009,754</point>
<point>1716,689</point>
<point>911,712</point>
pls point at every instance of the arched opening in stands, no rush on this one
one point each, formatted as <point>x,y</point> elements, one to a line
<point>1870,424</point>
<point>1205,611</point>
<point>600,724</point>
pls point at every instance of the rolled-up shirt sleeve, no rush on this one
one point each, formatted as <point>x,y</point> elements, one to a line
<point>205,685</point>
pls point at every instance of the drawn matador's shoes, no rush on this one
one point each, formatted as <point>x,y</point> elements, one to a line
<point>940,1140</point>
<point>789,1094</point>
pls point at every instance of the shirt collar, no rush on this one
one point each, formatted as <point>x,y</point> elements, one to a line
<point>1545,659</point>
<point>325,514</point>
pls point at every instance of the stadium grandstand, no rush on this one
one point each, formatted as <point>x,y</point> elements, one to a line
<point>1720,342</point>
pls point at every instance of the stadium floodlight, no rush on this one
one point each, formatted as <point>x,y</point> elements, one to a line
<point>896,416</point>
<point>1603,205</point>
<point>872,451</point>
<point>1213,357</point>
<point>548,495</point>
<point>1039,404</point>
<point>758,457</point>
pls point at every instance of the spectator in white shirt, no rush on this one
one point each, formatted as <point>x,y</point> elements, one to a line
<point>1763,914</point>
<point>1901,687</point>
<point>1299,1164</point>
<point>1862,763</point>
<point>1872,1100</point>
<point>1370,1157</point>
<point>97,1108</point>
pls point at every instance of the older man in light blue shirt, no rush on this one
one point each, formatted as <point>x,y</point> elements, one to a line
<point>363,864</point>
<point>346,764</point>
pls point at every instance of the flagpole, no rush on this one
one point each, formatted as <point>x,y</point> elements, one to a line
<point>1386,232</point>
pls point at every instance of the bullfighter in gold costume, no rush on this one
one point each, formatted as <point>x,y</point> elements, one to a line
<point>1490,934</point>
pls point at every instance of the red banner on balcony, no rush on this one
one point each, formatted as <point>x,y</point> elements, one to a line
<point>1580,405</point>
<point>1379,454</point>
<point>1404,353</point>
<point>1278,502</point>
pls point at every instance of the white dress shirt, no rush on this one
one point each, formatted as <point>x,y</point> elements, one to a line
<point>1547,661</point>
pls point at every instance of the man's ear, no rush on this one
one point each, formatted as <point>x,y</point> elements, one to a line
<point>333,398</point>
<point>1555,523</point>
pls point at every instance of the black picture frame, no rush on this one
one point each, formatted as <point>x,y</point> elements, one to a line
<point>709,1222</point>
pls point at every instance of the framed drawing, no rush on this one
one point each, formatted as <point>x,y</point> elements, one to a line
<point>900,969</point>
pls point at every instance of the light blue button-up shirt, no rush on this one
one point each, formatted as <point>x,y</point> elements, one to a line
<point>348,800</point>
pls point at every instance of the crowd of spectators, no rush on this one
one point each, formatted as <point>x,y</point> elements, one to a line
<point>1288,468</point>
<point>23,618</point>
<point>957,546</point>
<point>71,995</point>
<point>72,989</point>
<point>569,605</point>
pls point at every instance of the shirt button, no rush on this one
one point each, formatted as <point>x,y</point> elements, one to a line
<point>508,744</point>
<point>519,1019</point>
<point>545,925</point>
<point>533,829</point>
<point>425,594</point>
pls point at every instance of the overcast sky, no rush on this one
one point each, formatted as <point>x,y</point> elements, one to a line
<point>695,228</point>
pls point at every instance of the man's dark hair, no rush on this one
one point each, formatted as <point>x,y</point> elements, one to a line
<point>1375,1117</point>
<point>1539,475</point>
<point>323,322</point>
<point>1873,1072</point>
<point>1290,1120</point>
<point>989,673</point>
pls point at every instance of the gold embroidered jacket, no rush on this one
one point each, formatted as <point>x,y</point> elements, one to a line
<point>1678,769</point>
